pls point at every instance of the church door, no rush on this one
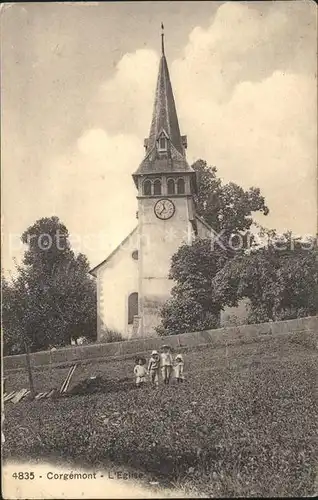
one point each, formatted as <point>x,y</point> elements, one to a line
<point>132,307</point>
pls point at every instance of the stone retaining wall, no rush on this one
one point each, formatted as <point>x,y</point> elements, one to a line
<point>219,337</point>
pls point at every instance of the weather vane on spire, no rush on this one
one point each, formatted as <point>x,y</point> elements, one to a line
<point>162,39</point>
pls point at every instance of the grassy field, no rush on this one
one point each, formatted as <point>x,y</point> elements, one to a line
<point>242,424</point>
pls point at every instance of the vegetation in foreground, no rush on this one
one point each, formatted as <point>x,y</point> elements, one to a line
<point>243,424</point>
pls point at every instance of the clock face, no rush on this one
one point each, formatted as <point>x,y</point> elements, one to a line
<point>164,209</point>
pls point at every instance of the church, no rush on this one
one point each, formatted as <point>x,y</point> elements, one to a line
<point>133,282</point>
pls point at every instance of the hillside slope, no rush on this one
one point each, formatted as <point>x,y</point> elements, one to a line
<point>242,424</point>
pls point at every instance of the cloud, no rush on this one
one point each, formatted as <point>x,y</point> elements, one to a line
<point>245,89</point>
<point>97,201</point>
<point>124,103</point>
<point>244,101</point>
<point>257,127</point>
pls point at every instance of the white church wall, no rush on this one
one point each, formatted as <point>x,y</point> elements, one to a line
<point>116,280</point>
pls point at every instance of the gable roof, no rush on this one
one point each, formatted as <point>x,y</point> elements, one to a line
<point>93,271</point>
<point>204,222</point>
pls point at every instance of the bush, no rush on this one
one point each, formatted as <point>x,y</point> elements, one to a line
<point>233,320</point>
<point>182,315</point>
<point>109,335</point>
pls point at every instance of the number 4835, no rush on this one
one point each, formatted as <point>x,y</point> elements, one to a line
<point>23,475</point>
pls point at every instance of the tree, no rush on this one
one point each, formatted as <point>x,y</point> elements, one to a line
<point>228,210</point>
<point>52,298</point>
<point>280,280</point>
<point>12,339</point>
<point>192,307</point>
<point>15,340</point>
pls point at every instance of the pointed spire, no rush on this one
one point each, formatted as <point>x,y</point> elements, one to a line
<point>164,123</point>
<point>164,117</point>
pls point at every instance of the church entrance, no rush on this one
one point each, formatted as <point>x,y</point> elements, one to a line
<point>132,307</point>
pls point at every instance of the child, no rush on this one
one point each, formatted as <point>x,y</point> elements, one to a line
<point>140,371</point>
<point>166,364</point>
<point>153,368</point>
<point>179,366</point>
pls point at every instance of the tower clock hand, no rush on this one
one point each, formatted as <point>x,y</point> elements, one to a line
<point>163,208</point>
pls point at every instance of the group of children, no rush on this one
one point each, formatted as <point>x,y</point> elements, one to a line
<point>164,362</point>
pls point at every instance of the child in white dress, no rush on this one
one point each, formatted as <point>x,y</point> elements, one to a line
<point>140,372</point>
<point>178,368</point>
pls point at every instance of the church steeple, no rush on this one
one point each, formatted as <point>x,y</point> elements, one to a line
<point>165,147</point>
<point>164,116</point>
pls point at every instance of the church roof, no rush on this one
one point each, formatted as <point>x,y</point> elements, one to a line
<point>164,123</point>
<point>164,116</point>
<point>93,271</point>
<point>203,222</point>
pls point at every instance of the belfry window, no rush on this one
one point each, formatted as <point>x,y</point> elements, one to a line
<point>181,186</point>
<point>146,187</point>
<point>157,187</point>
<point>171,186</point>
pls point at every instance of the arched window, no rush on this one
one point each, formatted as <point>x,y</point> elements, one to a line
<point>132,307</point>
<point>157,187</point>
<point>162,144</point>
<point>181,186</point>
<point>171,186</point>
<point>147,187</point>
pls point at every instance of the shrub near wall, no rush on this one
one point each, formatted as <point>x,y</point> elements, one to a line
<point>305,328</point>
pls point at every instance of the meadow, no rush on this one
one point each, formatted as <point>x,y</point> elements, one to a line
<point>242,424</point>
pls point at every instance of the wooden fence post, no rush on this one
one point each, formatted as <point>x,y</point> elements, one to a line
<point>29,369</point>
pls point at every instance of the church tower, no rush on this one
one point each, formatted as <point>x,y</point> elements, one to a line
<point>133,281</point>
<point>166,213</point>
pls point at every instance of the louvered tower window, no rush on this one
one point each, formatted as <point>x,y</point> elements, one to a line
<point>157,187</point>
<point>181,186</point>
<point>147,187</point>
<point>171,186</point>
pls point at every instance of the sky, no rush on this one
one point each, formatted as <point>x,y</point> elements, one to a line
<point>77,92</point>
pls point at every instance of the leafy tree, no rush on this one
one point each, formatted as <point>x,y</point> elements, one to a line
<point>12,340</point>
<point>228,209</point>
<point>52,298</point>
<point>191,306</point>
<point>279,279</point>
